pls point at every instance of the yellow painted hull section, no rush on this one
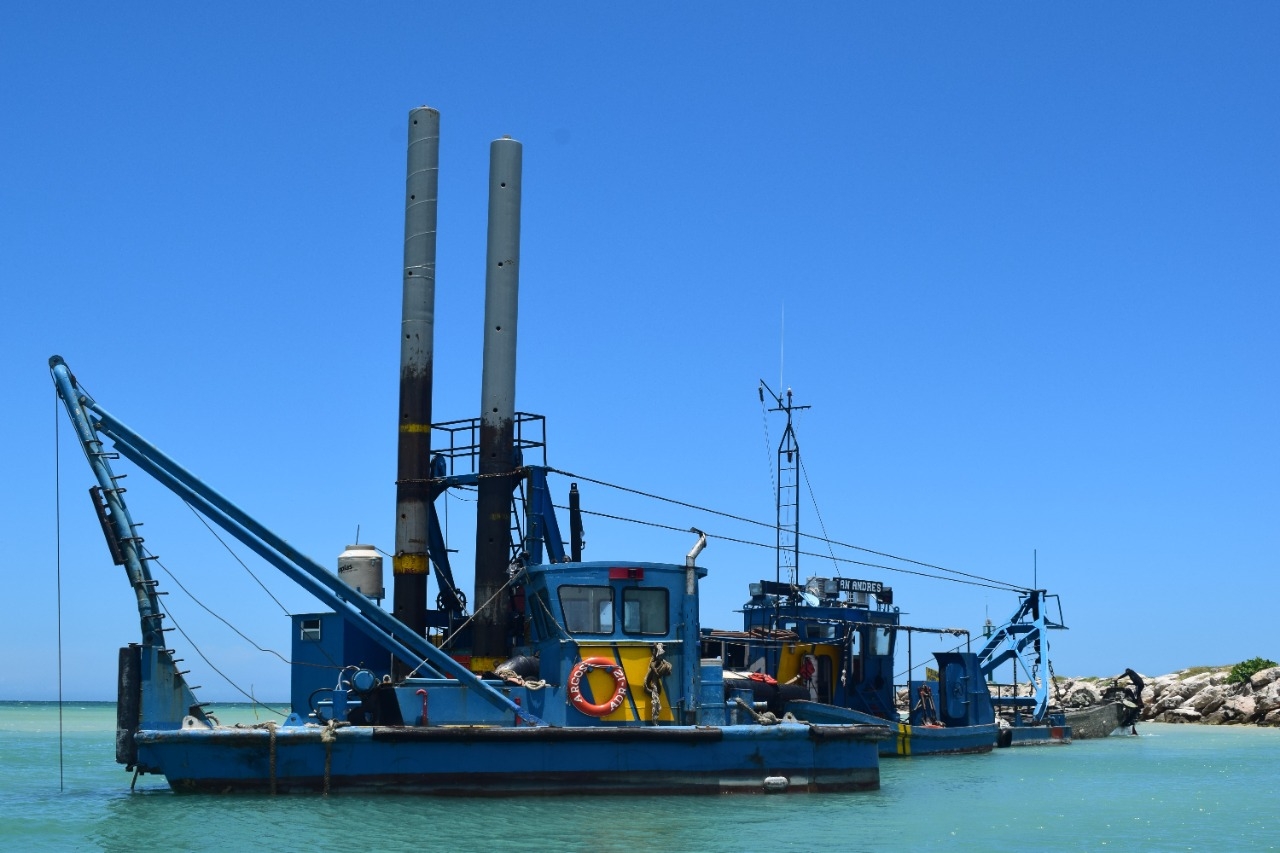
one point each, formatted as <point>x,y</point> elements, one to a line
<point>635,663</point>
<point>792,655</point>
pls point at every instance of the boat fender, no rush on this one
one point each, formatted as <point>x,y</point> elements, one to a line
<point>522,665</point>
<point>579,672</point>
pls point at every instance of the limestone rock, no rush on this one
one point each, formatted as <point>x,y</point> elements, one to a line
<point>1267,699</point>
<point>1194,683</point>
<point>1208,700</point>
<point>1167,703</point>
<point>1265,677</point>
<point>1082,695</point>
<point>1179,715</point>
<point>1238,708</point>
<point>1187,687</point>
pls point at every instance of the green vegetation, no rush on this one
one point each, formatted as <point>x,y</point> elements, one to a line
<point>1184,674</point>
<point>1244,670</point>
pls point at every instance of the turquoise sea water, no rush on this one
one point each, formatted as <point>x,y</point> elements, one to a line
<point>1172,788</point>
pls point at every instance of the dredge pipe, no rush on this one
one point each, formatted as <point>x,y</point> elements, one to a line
<point>497,405</point>
<point>410,564</point>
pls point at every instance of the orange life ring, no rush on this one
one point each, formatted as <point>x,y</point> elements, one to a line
<point>579,672</point>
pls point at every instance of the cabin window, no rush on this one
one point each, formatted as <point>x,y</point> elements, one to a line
<point>884,641</point>
<point>587,609</point>
<point>644,611</point>
<point>311,630</point>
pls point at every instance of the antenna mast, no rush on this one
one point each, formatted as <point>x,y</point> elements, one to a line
<point>787,525</point>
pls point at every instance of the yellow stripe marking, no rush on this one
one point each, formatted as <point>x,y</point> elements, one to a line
<point>479,664</point>
<point>410,564</point>
<point>415,427</point>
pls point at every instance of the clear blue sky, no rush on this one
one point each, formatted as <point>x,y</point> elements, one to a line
<point>1027,258</point>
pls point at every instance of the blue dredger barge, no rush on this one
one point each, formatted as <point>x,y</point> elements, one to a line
<point>568,677</point>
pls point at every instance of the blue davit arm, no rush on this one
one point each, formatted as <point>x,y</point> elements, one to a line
<point>89,419</point>
<point>1024,639</point>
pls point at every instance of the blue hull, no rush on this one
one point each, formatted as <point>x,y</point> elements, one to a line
<point>454,761</point>
<point>905,740</point>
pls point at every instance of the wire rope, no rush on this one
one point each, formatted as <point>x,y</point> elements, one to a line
<point>822,524</point>
<point>991,583</point>
<point>739,541</point>
<point>237,631</point>
<point>234,556</point>
<point>256,702</point>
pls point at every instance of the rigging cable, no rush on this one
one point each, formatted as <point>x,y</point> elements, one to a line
<point>169,612</point>
<point>206,609</point>
<point>236,557</point>
<point>764,416</point>
<point>848,560</point>
<point>57,526</point>
<point>990,582</point>
<point>818,513</point>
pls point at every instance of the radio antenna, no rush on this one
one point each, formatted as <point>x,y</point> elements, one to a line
<point>787,525</point>
<point>782,345</point>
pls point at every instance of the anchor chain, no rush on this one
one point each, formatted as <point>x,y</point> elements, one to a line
<point>1054,678</point>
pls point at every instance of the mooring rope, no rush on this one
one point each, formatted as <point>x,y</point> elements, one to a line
<point>57,525</point>
<point>271,730</point>
<point>327,737</point>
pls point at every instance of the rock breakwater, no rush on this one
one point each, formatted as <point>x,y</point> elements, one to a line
<point>1196,695</point>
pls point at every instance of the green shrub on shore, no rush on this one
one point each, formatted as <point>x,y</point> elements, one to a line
<point>1244,670</point>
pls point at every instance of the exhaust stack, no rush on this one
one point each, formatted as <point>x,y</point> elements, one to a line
<point>497,403</point>
<point>411,564</point>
